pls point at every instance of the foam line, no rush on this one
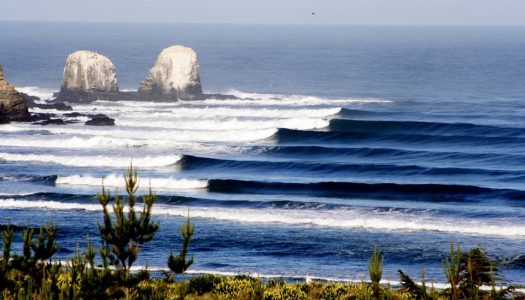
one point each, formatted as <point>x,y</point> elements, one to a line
<point>95,161</point>
<point>114,180</point>
<point>341,218</point>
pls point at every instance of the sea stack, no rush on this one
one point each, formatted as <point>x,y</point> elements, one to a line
<point>175,73</point>
<point>87,71</point>
<point>87,76</point>
<point>12,106</point>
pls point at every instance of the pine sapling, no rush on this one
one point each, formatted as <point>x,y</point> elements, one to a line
<point>178,264</point>
<point>375,269</point>
<point>452,268</point>
<point>124,233</point>
<point>8,236</point>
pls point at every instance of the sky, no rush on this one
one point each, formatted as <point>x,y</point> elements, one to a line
<point>359,12</point>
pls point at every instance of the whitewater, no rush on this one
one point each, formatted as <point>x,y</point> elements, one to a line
<point>344,138</point>
<point>160,139</point>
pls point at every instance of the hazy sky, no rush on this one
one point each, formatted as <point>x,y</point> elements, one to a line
<point>427,12</point>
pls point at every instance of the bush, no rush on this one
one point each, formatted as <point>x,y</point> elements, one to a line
<point>284,292</point>
<point>204,284</point>
<point>332,291</point>
<point>231,288</point>
<point>375,269</point>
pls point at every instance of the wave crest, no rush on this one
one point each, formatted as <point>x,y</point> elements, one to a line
<point>114,180</point>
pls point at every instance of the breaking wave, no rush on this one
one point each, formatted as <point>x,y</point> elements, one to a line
<point>348,218</point>
<point>94,161</point>
<point>114,180</point>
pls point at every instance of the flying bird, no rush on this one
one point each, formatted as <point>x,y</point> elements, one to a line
<point>313,14</point>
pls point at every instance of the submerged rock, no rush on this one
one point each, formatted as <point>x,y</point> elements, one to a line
<point>87,72</point>
<point>100,120</point>
<point>54,121</point>
<point>12,105</point>
<point>32,102</point>
<point>176,72</point>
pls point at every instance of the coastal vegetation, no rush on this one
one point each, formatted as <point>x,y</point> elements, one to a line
<point>125,228</point>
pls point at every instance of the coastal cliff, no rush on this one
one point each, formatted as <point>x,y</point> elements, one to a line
<point>12,105</point>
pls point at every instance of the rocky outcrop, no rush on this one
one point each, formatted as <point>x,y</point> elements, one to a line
<point>100,120</point>
<point>88,72</point>
<point>89,76</point>
<point>176,72</point>
<point>12,106</point>
<point>34,102</point>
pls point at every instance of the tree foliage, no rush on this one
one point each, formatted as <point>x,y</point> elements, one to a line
<point>178,264</point>
<point>375,270</point>
<point>125,232</point>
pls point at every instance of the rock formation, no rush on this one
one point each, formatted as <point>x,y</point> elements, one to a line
<point>87,71</point>
<point>100,120</point>
<point>176,72</point>
<point>89,76</point>
<point>12,106</point>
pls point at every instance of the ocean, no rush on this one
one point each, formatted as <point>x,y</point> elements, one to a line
<point>404,137</point>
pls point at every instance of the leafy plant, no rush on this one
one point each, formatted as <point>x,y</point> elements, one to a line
<point>178,264</point>
<point>415,290</point>
<point>36,252</point>
<point>452,269</point>
<point>203,284</point>
<point>375,269</point>
<point>124,234</point>
<point>8,235</point>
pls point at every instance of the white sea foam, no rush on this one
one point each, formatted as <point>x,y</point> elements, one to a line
<point>95,161</point>
<point>80,136</point>
<point>211,112</point>
<point>114,180</point>
<point>44,141</point>
<point>196,111</point>
<point>351,218</point>
<point>53,205</point>
<point>49,111</point>
<point>15,194</point>
<point>278,99</point>
<point>227,123</point>
<point>354,218</point>
<point>246,98</point>
<point>42,93</point>
<point>133,136</point>
<point>19,127</point>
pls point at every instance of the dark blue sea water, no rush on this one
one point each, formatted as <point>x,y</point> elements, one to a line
<point>404,137</point>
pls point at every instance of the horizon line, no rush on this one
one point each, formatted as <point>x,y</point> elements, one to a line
<point>266,24</point>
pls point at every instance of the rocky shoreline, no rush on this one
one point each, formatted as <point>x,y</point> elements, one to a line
<point>12,105</point>
<point>89,76</point>
<point>84,97</point>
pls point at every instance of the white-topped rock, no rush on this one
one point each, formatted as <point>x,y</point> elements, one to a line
<point>87,71</point>
<point>176,72</point>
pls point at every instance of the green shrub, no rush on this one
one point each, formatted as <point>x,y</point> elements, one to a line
<point>231,288</point>
<point>375,269</point>
<point>332,291</point>
<point>284,292</point>
<point>204,284</point>
<point>452,269</point>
